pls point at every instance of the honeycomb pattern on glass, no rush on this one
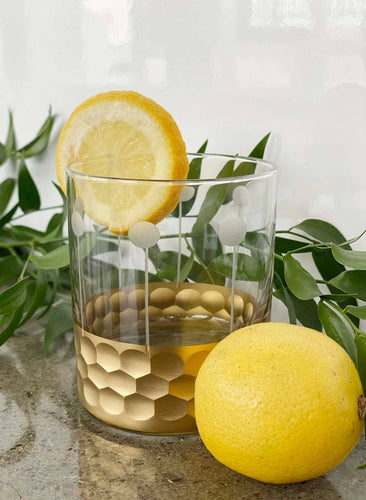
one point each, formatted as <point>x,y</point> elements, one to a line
<point>145,392</point>
<point>151,388</point>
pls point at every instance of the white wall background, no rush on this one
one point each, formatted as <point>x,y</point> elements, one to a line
<point>229,70</point>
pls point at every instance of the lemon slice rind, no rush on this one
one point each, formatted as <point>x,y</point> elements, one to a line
<point>135,138</point>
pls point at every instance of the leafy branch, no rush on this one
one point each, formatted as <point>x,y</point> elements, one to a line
<point>34,265</point>
<point>29,288</point>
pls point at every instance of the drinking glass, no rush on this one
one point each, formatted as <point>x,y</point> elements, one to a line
<point>153,297</point>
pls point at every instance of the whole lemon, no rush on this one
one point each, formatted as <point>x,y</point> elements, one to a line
<point>278,402</point>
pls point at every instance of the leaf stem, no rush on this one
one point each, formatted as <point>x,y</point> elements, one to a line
<point>293,233</point>
<point>55,207</point>
<point>322,282</point>
<point>26,264</point>
<point>12,251</point>
<point>163,237</point>
<point>352,240</point>
<point>199,260</point>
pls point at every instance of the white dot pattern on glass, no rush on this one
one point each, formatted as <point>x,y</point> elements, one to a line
<point>144,234</point>
<point>187,193</point>
<point>77,224</point>
<point>232,230</point>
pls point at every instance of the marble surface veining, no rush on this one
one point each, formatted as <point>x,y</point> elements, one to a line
<point>50,447</point>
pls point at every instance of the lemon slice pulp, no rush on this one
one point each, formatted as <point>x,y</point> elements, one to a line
<point>123,135</point>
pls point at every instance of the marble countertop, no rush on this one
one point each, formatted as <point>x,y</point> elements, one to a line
<point>51,448</point>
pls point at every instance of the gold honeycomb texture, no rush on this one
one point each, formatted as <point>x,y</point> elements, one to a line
<point>150,388</point>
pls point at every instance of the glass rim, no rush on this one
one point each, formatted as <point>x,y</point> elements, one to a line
<point>270,171</point>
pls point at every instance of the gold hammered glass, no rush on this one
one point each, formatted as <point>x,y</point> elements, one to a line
<point>151,298</point>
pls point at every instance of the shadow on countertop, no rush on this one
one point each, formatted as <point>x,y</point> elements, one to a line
<point>50,447</point>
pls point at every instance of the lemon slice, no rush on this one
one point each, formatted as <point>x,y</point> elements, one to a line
<point>118,135</point>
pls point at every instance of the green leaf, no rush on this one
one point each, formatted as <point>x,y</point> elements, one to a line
<point>13,296</point>
<point>54,230</point>
<point>327,266</point>
<point>65,278</point>
<point>282,294</point>
<point>186,269</point>
<point>279,267</point>
<point>5,318</point>
<point>166,262</point>
<point>40,142</point>
<point>214,199</point>
<point>53,260</point>
<point>24,233</point>
<point>10,143</point>
<point>54,226</point>
<point>61,193</point>
<point>284,245</point>
<point>330,268</point>
<point>201,149</point>
<point>307,312</point>
<point>258,151</point>
<point>2,154</point>
<point>59,322</point>
<point>358,311</point>
<point>360,341</point>
<point>207,244</point>
<point>53,276</point>
<point>210,276</point>
<point>10,268</point>
<point>337,297</point>
<point>8,216</point>
<point>168,273</point>
<point>248,268</point>
<point>248,167</point>
<point>59,257</point>
<point>196,271</point>
<point>29,292</point>
<point>29,199</point>
<point>6,191</point>
<point>8,331</point>
<point>361,467</point>
<point>299,280</point>
<point>194,172</point>
<point>336,329</point>
<point>351,282</point>
<point>39,295</point>
<point>165,258</point>
<point>349,258</point>
<point>321,231</point>
<point>257,240</point>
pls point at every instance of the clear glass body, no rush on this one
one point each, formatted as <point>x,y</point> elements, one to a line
<point>151,299</point>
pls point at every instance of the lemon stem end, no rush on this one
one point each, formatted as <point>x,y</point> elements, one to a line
<point>361,406</point>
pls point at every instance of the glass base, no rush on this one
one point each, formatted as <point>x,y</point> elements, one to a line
<point>150,388</point>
